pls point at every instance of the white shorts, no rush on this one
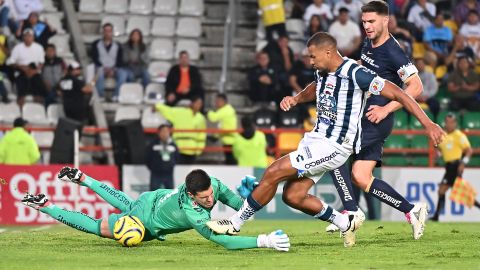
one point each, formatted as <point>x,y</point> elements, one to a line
<point>316,155</point>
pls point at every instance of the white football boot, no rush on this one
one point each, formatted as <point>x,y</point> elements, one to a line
<point>417,217</point>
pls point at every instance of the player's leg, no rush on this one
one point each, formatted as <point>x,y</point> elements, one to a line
<point>74,219</point>
<point>342,180</point>
<point>451,172</point>
<point>114,197</point>
<point>442,189</point>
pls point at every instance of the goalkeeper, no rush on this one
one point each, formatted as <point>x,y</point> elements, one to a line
<point>163,211</point>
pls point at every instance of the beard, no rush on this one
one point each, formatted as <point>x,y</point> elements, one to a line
<point>322,71</point>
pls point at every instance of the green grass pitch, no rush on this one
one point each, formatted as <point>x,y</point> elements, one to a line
<point>380,245</point>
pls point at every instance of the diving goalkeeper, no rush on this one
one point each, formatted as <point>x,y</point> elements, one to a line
<point>163,211</point>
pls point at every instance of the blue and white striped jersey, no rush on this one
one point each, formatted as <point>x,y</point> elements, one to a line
<point>341,98</point>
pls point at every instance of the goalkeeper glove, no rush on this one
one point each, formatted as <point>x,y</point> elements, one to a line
<point>277,240</point>
<point>248,184</point>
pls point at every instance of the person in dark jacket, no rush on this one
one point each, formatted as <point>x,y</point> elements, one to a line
<point>183,81</point>
<point>42,30</point>
<point>161,158</point>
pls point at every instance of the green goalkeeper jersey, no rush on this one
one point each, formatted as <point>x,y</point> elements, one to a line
<point>167,211</point>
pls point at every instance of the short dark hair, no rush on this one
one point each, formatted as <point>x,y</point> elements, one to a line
<point>247,122</point>
<point>451,115</point>
<point>321,39</point>
<point>343,9</point>
<point>222,96</point>
<point>50,45</point>
<point>182,52</point>
<point>197,181</point>
<point>472,11</point>
<point>19,122</point>
<point>379,7</point>
<point>107,25</point>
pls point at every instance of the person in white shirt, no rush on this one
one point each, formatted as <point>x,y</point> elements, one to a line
<point>422,14</point>
<point>27,59</point>
<point>25,7</point>
<point>346,32</point>
<point>354,6</point>
<point>318,8</point>
<point>470,30</point>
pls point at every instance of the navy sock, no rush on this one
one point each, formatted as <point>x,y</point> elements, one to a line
<point>253,203</point>
<point>386,194</point>
<point>342,180</point>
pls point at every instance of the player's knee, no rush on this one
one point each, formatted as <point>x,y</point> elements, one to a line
<point>361,179</point>
<point>291,197</point>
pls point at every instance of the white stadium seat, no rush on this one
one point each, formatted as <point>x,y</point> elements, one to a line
<point>189,27</point>
<point>48,6</point>
<point>139,22</point>
<point>152,119</point>
<point>62,44</point>
<point>295,29</point>
<point>43,138</point>
<point>130,93</point>
<point>54,112</point>
<point>8,112</point>
<point>118,23</point>
<point>141,6</point>
<point>91,6</point>
<point>34,113</point>
<point>154,93</point>
<point>54,20</point>
<point>161,49</point>
<point>127,113</point>
<point>116,6</point>
<point>189,45</point>
<point>191,7</point>
<point>163,26</point>
<point>166,7</point>
<point>158,71</point>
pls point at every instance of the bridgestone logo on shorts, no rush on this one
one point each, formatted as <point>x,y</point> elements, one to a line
<point>322,160</point>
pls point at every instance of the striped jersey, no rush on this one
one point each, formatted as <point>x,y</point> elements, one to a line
<point>341,98</point>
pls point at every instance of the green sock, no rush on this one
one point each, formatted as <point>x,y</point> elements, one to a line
<point>114,197</point>
<point>76,220</point>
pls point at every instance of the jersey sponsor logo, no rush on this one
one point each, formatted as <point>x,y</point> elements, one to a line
<point>321,160</point>
<point>368,60</point>
<point>376,86</point>
<point>327,107</point>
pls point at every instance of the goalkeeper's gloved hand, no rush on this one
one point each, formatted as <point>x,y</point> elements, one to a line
<point>247,185</point>
<point>277,240</point>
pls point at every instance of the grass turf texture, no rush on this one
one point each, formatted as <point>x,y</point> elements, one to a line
<point>380,245</point>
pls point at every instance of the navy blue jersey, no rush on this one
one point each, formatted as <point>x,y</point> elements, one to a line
<point>390,62</point>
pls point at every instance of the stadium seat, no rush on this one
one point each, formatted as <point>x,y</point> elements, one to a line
<point>191,7</point>
<point>396,141</point>
<point>154,93</point>
<point>418,160</point>
<point>441,118</point>
<point>189,27</point>
<point>54,20</point>
<point>116,6</point>
<point>139,22</point>
<point>296,46</point>
<point>62,44</point>
<point>91,6</point>
<point>288,141</point>
<point>260,45</point>
<point>419,142</point>
<point>48,6</point>
<point>309,123</point>
<point>415,124</point>
<point>8,112</point>
<point>395,160</point>
<point>289,119</point>
<point>130,93</point>
<point>163,26</point>
<point>141,7</point>
<point>43,138</point>
<point>161,49</point>
<point>264,118</point>
<point>418,50</point>
<point>165,7</point>
<point>34,113</point>
<point>189,45</point>
<point>118,23</point>
<point>474,141</point>
<point>471,120</point>
<point>152,119</point>
<point>295,29</point>
<point>474,161</point>
<point>158,71</point>
<point>127,113</point>
<point>401,120</point>
<point>54,112</point>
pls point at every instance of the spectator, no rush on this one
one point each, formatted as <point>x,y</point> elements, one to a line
<point>262,80</point>
<point>4,13</point>
<point>250,146</point>
<point>161,158</point>
<point>3,90</point>
<point>438,38</point>
<point>470,30</point>
<point>354,7</point>
<point>314,26</point>
<point>459,49</point>
<point>75,93</point>
<point>463,8</point>
<point>281,59</point>
<point>463,85</point>
<point>402,35</point>
<point>422,14</point>
<point>347,33</point>
<point>321,9</point>
<point>18,147</point>
<point>53,71</point>
<point>25,7</point>
<point>28,58</point>
<point>183,80</point>
<point>226,116</point>
<point>273,18</point>
<point>298,8</point>
<point>187,118</point>
<point>430,88</point>
<point>42,30</point>
<point>302,73</point>
<point>136,58</point>
<point>107,56</point>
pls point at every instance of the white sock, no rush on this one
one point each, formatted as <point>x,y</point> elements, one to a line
<point>333,216</point>
<point>242,215</point>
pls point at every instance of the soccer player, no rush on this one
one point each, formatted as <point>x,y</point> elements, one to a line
<point>162,212</point>
<point>382,54</point>
<point>456,153</point>
<point>340,90</point>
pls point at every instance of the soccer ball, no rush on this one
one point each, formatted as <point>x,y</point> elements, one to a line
<point>128,231</point>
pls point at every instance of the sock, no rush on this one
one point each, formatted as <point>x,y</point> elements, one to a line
<point>114,197</point>
<point>333,216</point>
<point>248,209</point>
<point>386,194</point>
<point>477,204</point>
<point>76,220</point>
<point>342,180</point>
<point>440,205</point>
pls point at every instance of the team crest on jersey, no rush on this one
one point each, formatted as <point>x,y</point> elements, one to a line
<point>327,106</point>
<point>376,86</point>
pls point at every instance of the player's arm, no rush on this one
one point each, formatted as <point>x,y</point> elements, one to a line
<point>414,89</point>
<point>306,95</point>
<point>165,111</point>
